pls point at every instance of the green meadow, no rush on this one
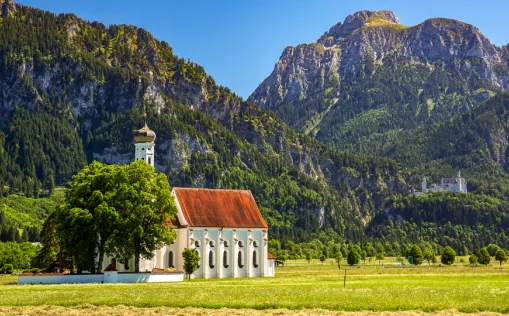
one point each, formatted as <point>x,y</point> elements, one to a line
<point>298,286</point>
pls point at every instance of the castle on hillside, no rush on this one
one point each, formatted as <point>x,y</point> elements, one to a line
<point>457,184</point>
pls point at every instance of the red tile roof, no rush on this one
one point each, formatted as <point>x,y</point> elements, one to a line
<point>270,256</point>
<point>219,208</point>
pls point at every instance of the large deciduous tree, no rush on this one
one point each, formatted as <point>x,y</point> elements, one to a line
<point>121,211</point>
<point>144,205</point>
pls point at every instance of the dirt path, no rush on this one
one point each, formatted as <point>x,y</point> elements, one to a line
<point>191,311</point>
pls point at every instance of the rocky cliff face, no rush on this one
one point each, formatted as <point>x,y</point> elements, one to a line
<point>315,87</point>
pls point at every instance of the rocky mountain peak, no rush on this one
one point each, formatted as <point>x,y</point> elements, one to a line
<point>353,22</point>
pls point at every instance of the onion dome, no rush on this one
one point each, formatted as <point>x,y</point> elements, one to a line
<point>144,135</point>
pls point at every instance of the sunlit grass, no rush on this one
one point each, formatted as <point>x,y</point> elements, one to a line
<point>298,286</point>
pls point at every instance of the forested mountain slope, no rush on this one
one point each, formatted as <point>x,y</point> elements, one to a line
<point>477,141</point>
<point>368,81</point>
<point>73,91</point>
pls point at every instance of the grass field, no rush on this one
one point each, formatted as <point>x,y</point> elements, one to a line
<point>297,286</point>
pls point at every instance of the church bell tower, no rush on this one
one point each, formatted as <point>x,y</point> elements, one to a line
<point>144,143</point>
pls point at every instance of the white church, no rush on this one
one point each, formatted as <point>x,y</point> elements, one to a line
<point>224,226</point>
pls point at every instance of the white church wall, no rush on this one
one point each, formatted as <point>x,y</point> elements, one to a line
<point>228,238</point>
<point>197,244</point>
<point>270,268</point>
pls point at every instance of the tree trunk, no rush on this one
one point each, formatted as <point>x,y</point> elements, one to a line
<point>61,260</point>
<point>136,261</point>
<point>72,265</point>
<point>100,261</point>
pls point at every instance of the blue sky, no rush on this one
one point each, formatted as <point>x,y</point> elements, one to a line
<point>239,41</point>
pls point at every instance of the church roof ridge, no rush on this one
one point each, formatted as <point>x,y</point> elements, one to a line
<point>203,207</point>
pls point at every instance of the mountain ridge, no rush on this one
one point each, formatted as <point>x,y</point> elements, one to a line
<point>73,91</point>
<point>382,80</point>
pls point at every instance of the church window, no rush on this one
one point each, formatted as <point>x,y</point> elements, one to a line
<point>149,160</point>
<point>255,244</point>
<point>241,244</point>
<point>170,260</point>
<point>255,258</point>
<point>143,159</point>
<point>225,243</point>
<point>211,259</point>
<point>225,259</point>
<point>126,266</point>
<point>197,244</point>
<point>241,259</point>
<point>211,243</point>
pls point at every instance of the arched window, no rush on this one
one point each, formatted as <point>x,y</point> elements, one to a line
<point>170,260</point>
<point>211,244</point>
<point>241,259</point>
<point>225,259</point>
<point>241,244</point>
<point>255,244</point>
<point>225,243</point>
<point>255,258</point>
<point>197,244</point>
<point>142,158</point>
<point>149,160</point>
<point>211,259</point>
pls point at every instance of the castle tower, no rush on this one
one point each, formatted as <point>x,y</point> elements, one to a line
<point>424,185</point>
<point>144,143</point>
<point>458,174</point>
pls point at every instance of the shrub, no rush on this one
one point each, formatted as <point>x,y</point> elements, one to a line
<point>501,256</point>
<point>353,257</point>
<point>416,254</point>
<point>35,270</point>
<point>8,268</point>
<point>472,259</point>
<point>448,255</point>
<point>338,256</point>
<point>492,249</point>
<point>428,255</point>
<point>191,261</point>
<point>484,256</point>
